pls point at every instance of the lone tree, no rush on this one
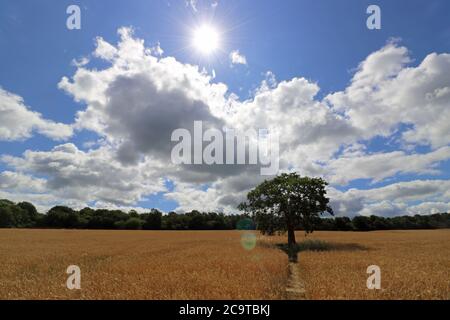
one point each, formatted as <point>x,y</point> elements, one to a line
<point>287,202</point>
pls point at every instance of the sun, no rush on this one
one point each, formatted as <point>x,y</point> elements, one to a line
<point>206,39</point>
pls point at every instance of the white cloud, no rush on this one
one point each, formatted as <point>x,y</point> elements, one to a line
<point>104,50</point>
<point>426,208</point>
<point>21,182</point>
<point>17,122</point>
<point>395,199</point>
<point>140,100</point>
<point>385,93</point>
<point>380,166</point>
<point>309,130</point>
<point>83,177</point>
<point>80,62</point>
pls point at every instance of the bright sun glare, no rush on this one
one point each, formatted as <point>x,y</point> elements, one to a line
<point>206,39</point>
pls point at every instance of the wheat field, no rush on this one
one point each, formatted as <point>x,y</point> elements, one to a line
<point>137,265</point>
<point>414,265</point>
<point>219,265</point>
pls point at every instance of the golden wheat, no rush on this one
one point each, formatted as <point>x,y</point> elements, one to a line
<point>138,265</point>
<point>217,265</point>
<point>414,265</point>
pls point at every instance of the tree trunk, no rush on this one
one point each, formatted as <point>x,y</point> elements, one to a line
<point>292,250</point>
<point>291,237</point>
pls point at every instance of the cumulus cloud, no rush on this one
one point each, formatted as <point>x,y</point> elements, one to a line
<point>386,93</point>
<point>17,121</point>
<point>309,130</point>
<point>429,208</point>
<point>140,100</point>
<point>394,199</point>
<point>83,177</point>
<point>21,182</point>
<point>380,166</point>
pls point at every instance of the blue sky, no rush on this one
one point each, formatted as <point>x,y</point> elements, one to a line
<point>322,41</point>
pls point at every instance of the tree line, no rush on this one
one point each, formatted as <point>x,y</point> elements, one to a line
<point>373,223</point>
<point>25,215</point>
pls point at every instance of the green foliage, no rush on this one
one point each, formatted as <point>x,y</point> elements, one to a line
<point>62,217</point>
<point>22,215</point>
<point>25,215</point>
<point>362,223</point>
<point>7,218</point>
<point>152,220</point>
<point>372,223</point>
<point>133,223</point>
<point>30,209</point>
<point>343,224</point>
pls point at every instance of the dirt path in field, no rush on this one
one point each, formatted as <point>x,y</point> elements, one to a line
<point>296,287</point>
